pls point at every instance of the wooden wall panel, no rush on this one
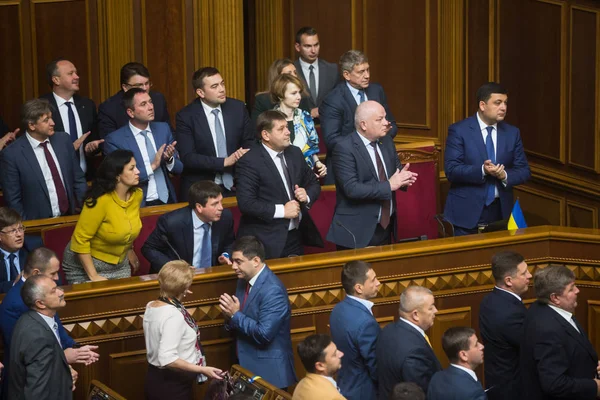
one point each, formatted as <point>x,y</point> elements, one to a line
<point>127,373</point>
<point>445,319</point>
<point>581,215</point>
<point>540,207</point>
<point>593,311</point>
<point>13,90</point>
<point>478,43</point>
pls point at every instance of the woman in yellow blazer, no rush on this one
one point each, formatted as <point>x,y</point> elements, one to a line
<point>101,245</point>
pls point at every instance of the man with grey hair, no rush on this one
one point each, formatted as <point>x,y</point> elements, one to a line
<point>404,352</point>
<point>338,108</point>
<point>557,358</point>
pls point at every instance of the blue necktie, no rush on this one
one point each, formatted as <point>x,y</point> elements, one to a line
<point>206,251</point>
<point>13,268</point>
<point>159,176</point>
<point>72,123</point>
<point>361,94</point>
<point>491,184</point>
<point>222,148</point>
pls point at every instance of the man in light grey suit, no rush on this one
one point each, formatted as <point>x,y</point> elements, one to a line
<point>318,75</point>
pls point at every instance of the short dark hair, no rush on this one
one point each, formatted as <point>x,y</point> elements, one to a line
<point>131,69</point>
<point>455,340</point>
<point>407,391</point>
<point>486,90</point>
<point>265,120</point>
<point>250,247</point>
<point>106,175</point>
<point>128,99</point>
<point>201,191</point>
<point>199,75</point>
<point>552,279</point>
<point>305,30</point>
<point>312,350</point>
<point>354,272</point>
<point>8,217</point>
<point>33,110</point>
<point>505,264</point>
<point>32,290</point>
<point>52,69</point>
<point>39,259</point>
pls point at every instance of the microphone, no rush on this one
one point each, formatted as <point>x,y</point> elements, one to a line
<point>166,240</point>
<point>338,223</point>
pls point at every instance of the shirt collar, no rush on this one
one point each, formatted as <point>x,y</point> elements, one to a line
<point>467,370</point>
<point>198,223</point>
<point>6,253</point>
<point>60,101</point>
<point>330,379</point>
<point>483,125</point>
<point>208,109</point>
<point>306,65</point>
<point>34,142</point>
<point>366,141</point>
<point>49,320</point>
<point>255,277</point>
<point>508,291</point>
<point>353,90</point>
<point>563,313</point>
<point>368,304</point>
<point>417,327</point>
<point>137,131</point>
<point>271,152</point>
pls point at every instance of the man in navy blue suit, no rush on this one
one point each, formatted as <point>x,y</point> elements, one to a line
<point>41,176</point>
<point>354,330</point>
<point>484,159</point>
<point>152,145</point>
<point>199,234</point>
<point>12,251</point>
<point>458,381</point>
<point>501,316</point>
<point>259,314</point>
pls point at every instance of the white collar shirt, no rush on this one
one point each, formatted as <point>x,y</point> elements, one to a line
<point>63,109</point>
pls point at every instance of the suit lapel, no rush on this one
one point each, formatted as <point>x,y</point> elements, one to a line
<point>229,140</point>
<point>578,336</point>
<point>131,143</point>
<point>29,155</point>
<point>272,168</point>
<point>360,148</point>
<point>500,143</point>
<point>256,288</point>
<point>64,162</point>
<point>34,315</point>
<point>358,306</point>
<point>388,160</point>
<point>349,99</point>
<point>205,128</point>
<point>322,79</point>
<point>59,125</point>
<point>81,111</point>
<point>188,235</point>
<point>421,338</point>
<point>478,137</point>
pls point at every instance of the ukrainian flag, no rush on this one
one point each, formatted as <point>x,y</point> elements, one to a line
<point>516,220</point>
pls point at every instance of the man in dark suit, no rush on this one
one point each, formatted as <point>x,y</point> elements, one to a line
<point>404,352</point>
<point>213,133</point>
<point>459,381</point>
<point>152,145</point>
<point>484,159</point>
<point>339,107</point>
<point>12,251</point>
<point>318,75</point>
<point>355,330</point>
<point>275,189</point>
<point>259,314</point>
<point>200,234</point>
<point>41,176</point>
<point>72,113</point>
<point>501,316</point>
<point>557,359</point>
<point>112,114</point>
<point>38,366</point>
<point>368,172</point>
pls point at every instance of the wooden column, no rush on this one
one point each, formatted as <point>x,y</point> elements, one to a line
<point>269,37</point>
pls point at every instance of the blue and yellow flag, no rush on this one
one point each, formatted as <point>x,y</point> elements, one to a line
<point>516,220</point>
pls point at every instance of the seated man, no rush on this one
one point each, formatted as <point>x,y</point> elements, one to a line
<point>458,381</point>
<point>12,252</point>
<point>200,234</point>
<point>322,360</point>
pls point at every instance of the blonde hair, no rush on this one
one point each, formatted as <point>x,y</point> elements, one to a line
<point>174,278</point>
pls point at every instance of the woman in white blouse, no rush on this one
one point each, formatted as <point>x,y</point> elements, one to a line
<point>175,356</point>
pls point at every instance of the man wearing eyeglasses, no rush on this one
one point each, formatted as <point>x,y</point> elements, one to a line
<point>12,252</point>
<point>112,114</point>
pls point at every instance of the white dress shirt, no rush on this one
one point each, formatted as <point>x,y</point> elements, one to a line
<point>371,151</point>
<point>417,327</point>
<point>53,326</point>
<point>210,117</point>
<point>467,370</point>
<point>566,315</point>
<point>483,127</point>
<point>7,261</point>
<point>509,292</point>
<point>306,71</point>
<point>367,303</point>
<point>64,116</point>
<point>330,379</point>
<point>199,233</point>
<point>355,93</point>
<point>255,278</point>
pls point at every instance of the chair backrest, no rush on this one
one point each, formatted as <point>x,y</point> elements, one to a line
<point>56,238</point>
<point>99,391</point>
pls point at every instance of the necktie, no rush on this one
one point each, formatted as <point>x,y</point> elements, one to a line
<point>288,182</point>
<point>159,176</point>
<point>312,82</point>
<point>61,193</point>
<point>385,204</point>
<point>222,148</point>
<point>13,268</point>
<point>246,293</point>
<point>361,95</point>
<point>206,252</point>
<point>72,123</point>
<point>428,342</point>
<point>55,329</point>
<point>491,185</point>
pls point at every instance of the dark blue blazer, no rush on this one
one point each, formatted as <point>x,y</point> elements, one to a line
<point>123,139</point>
<point>501,317</point>
<point>557,362</point>
<point>463,158</point>
<point>23,182</point>
<point>5,283</point>
<point>403,355</point>
<point>195,142</point>
<point>178,227</point>
<point>358,190</point>
<point>112,114</point>
<point>329,76</point>
<point>262,330</point>
<point>454,384</point>
<point>354,331</point>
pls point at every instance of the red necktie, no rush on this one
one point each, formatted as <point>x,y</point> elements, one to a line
<point>61,193</point>
<point>245,295</point>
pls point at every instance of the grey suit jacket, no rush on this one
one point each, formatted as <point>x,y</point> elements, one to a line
<point>328,78</point>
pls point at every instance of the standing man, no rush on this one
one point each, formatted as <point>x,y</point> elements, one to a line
<point>318,75</point>
<point>259,314</point>
<point>355,330</point>
<point>41,175</point>
<point>275,189</point>
<point>214,132</point>
<point>557,358</point>
<point>112,114</point>
<point>152,145</point>
<point>200,234</point>
<point>501,316</point>
<point>483,160</point>
<point>321,359</point>
<point>368,172</point>
<point>12,250</point>
<point>404,352</point>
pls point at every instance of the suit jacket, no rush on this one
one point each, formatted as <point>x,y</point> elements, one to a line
<point>23,181</point>
<point>354,331</point>
<point>38,367</point>
<point>314,386</point>
<point>454,384</point>
<point>501,317</point>
<point>260,188</point>
<point>112,115</point>
<point>403,355</point>
<point>5,283</point>
<point>262,103</point>
<point>329,76</point>
<point>463,158</point>
<point>557,362</point>
<point>86,109</point>
<point>262,329</point>
<point>178,227</point>
<point>195,141</point>
<point>359,192</point>
<point>123,139</point>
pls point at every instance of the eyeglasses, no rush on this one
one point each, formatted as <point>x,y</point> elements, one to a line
<point>141,85</point>
<point>14,232</point>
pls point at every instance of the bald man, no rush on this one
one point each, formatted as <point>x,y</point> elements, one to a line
<point>367,173</point>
